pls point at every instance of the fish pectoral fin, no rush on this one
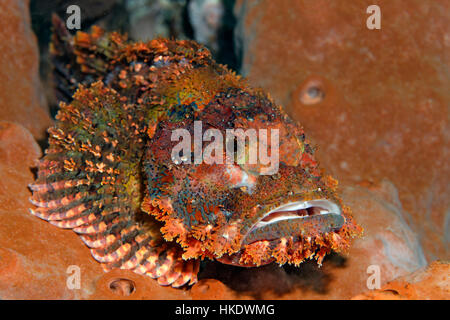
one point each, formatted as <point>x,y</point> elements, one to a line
<point>170,268</point>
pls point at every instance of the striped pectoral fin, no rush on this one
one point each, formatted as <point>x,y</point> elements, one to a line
<point>89,182</point>
<point>116,241</point>
<point>188,273</point>
<point>165,263</point>
<point>173,270</point>
<point>147,256</point>
<point>73,209</point>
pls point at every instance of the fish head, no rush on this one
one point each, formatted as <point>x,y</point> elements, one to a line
<point>236,181</point>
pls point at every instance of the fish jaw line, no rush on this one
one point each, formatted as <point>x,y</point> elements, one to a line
<point>298,210</point>
<point>324,206</point>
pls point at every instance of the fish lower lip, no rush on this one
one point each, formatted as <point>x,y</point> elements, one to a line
<point>301,218</point>
<point>301,226</point>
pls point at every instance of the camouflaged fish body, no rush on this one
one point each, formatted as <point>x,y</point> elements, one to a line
<point>108,173</point>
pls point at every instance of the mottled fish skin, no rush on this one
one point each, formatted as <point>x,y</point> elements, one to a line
<point>108,173</point>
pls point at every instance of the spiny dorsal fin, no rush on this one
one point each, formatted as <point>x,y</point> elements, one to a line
<point>80,59</point>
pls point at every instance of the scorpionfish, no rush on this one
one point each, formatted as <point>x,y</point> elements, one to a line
<point>109,175</point>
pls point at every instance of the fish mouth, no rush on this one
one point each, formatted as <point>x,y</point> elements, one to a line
<point>300,218</point>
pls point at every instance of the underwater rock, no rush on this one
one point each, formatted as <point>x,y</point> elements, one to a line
<point>375,101</point>
<point>125,284</point>
<point>389,244</point>
<point>430,283</point>
<point>18,152</point>
<point>211,289</point>
<point>21,96</point>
